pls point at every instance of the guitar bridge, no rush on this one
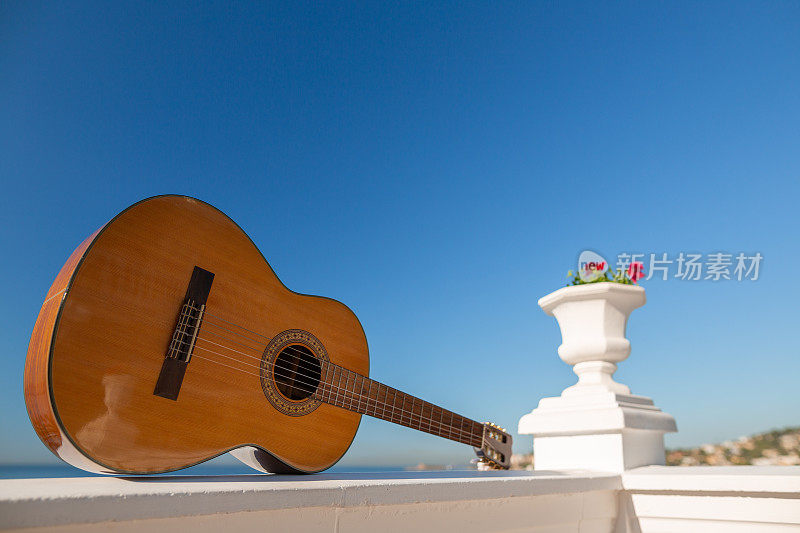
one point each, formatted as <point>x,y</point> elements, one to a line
<point>184,337</point>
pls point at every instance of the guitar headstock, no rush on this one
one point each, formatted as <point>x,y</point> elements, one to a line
<point>495,449</point>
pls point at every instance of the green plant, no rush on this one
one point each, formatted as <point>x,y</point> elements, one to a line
<point>630,276</point>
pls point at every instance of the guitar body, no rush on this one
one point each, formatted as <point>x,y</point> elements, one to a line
<point>98,349</point>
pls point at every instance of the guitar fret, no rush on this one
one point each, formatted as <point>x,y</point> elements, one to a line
<point>331,378</point>
<point>334,388</point>
<point>348,389</point>
<point>401,414</point>
<point>339,399</point>
<point>329,370</point>
<point>450,424</point>
<point>367,404</point>
<point>378,404</point>
<point>426,418</point>
<point>356,392</point>
<point>323,389</point>
<point>348,398</point>
<point>394,413</point>
<point>397,409</point>
<point>342,389</point>
<point>356,395</point>
<point>361,397</point>
<point>394,399</point>
<point>404,410</point>
<point>385,400</point>
<point>345,378</point>
<point>364,395</point>
<point>360,393</point>
<point>320,392</point>
<point>326,386</point>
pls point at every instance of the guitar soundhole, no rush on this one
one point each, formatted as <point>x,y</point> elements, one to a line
<point>297,372</point>
<point>291,371</point>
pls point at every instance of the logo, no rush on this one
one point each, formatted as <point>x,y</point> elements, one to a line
<point>591,265</point>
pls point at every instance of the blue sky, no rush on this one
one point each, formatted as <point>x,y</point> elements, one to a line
<point>438,167</point>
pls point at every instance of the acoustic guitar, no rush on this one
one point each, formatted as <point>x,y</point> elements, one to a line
<point>166,340</point>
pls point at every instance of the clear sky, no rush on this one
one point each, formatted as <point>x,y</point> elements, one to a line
<point>437,167</point>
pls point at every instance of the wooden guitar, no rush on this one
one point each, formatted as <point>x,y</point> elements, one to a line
<point>167,340</point>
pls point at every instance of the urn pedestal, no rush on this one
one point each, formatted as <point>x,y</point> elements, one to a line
<point>596,424</point>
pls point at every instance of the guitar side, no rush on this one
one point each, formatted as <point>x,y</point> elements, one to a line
<point>101,338</point>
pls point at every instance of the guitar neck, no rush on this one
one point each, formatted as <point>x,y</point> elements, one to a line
<point>359,394</point>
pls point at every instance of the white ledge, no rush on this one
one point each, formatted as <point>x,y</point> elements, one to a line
<point>725,479</point>
<point>50,502</point>
<point>642,500</point>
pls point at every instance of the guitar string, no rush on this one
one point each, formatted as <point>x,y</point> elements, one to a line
<point>260,351</point>
<point>304,375</point>
<point>290,348</point>
<point>294,350</point>
<point>256,350</point>
<point>475,424</point>
<point>355,399</point>
<point>453,432</point>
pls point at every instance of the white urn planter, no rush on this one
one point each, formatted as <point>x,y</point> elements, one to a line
<point>596,424</point>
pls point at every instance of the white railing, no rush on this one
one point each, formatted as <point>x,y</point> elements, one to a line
<point>644,500</point>
<point>597,450</point>
<point>443,501</point>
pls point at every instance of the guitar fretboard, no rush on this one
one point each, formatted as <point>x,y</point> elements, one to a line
<point>354,392</point>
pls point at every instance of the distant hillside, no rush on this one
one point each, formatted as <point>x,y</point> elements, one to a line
<point>778,447</point>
